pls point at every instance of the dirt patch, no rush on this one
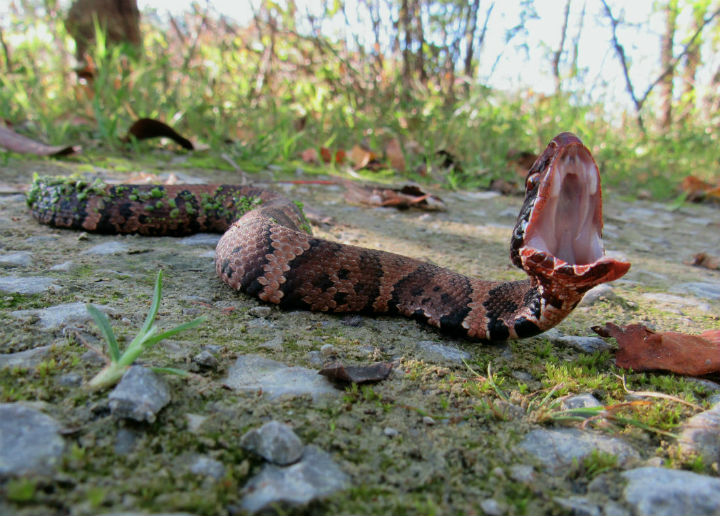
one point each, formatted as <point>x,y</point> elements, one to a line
<point>433,438</point>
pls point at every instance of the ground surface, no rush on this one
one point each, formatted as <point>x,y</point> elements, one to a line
<point>433,438</point>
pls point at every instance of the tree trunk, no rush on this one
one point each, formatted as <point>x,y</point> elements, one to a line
<point>558,53</point>
<point>692,62</point>
<point>470,27</point>
<point>666,63</point>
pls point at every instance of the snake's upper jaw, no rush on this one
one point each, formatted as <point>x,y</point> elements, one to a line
<point>563,237</point>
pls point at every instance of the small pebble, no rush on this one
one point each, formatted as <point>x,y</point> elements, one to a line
<point>260,311</point>
<point>428,420</point>
<point>206,359</point>
<point>328,350</point>
<point>390,431</point>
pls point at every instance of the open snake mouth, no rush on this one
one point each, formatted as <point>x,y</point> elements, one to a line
<point>563,236</point>
<point>566,221</point>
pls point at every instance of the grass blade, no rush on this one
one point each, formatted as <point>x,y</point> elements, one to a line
<point>155,304</point>
<point>170,370</point>
<point>173,331</point>
<point>104,324</point>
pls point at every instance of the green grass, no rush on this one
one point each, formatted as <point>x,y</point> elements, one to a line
<point>147,336</point>
<point>213,98</point>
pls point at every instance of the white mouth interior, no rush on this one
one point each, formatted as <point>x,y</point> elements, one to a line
<point>569,225</point>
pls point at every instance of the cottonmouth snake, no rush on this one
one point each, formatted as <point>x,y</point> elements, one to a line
<point>266,249</point>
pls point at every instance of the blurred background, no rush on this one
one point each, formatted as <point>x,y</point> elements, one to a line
<point>470,90</point>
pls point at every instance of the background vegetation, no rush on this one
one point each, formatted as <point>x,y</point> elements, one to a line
<point>263,92</point>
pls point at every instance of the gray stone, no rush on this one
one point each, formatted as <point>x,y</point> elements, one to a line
<point>328,350</point>
<point>275,442</point>
<point>705,384</point>
<point>492,507</point>
<point>260,311</point>
<point>201,239</point>
<point>672,303</point>
<point>274,344</point>
<point>30,441</point>
<point>64,266</point>
<point>19,259</point>
<point>107,248</point>
<point>140,395</point>
<point>701,435</point>
<point>580,506</point>
<point>603,292</point>
<point>705,290</point>
<point>256,373</point>
<point>206,359</point>
<point>668,492</point>
<point>25,285</point>
<point>435,352</point>
<point>580,401</point>
<point>390,431</point>
<point>208,467</point>
<point>70,380</point>
<point>523,473</point>
<point>557,449</point>
<point>53,317</point>
<point>125,441</point>
<point>315,476</point>
<point>24,359</point>
<point>315,358</point>
<point>584,344</point>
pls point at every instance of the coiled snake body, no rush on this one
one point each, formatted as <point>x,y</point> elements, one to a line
<point>266,252</point>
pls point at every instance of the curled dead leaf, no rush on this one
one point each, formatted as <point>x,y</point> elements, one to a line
<point>706,261</point>
<point>150,128</point>
<point>642,349</point>
<point>394,154</point>
<point>309,155</point>
<point>15,142</point>
<point>338,372</point>
<point>409,196</point>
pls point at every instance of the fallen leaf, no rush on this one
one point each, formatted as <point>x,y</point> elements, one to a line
<point>706,261</point>
<point>150,128</point>
<point>338,372</point>
<point>409,196</point>
<point>326,154</point>
<point>340,156</point>
<point>698,190</point>
<point>642,349</point>
<point>361,157</point>
<point>309,155</point>
<point>395,155</point>
<point>15,142</point>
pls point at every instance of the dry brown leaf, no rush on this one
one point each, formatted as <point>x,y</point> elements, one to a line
<point>15,142</point>
<point>309,155</point>
<point>642,349</point>
<point>360,157</point>
<point>395,155</point>
<point>150,128</point>
<point>409,196</point>
<point>698,190</point>
<point>326,154</point>
<point>706,261</point>
<point>370,373</point>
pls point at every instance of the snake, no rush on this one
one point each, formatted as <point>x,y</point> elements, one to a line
<point>267,249</point>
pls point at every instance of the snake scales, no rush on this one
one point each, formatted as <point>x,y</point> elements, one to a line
<point>266,249</point>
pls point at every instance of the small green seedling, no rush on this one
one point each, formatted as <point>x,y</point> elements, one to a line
<point>146,337</point>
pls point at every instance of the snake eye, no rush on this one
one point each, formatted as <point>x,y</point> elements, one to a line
<point>532,181</point>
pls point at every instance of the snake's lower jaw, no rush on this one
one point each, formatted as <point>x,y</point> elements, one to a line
<point>546,268</point>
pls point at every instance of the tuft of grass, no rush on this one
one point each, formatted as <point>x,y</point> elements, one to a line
<point>148,336</point>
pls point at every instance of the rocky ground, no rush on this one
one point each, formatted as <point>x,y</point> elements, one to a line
<point>254,427</point>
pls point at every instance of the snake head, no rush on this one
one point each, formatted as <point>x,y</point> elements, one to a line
<point>557,238</point>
